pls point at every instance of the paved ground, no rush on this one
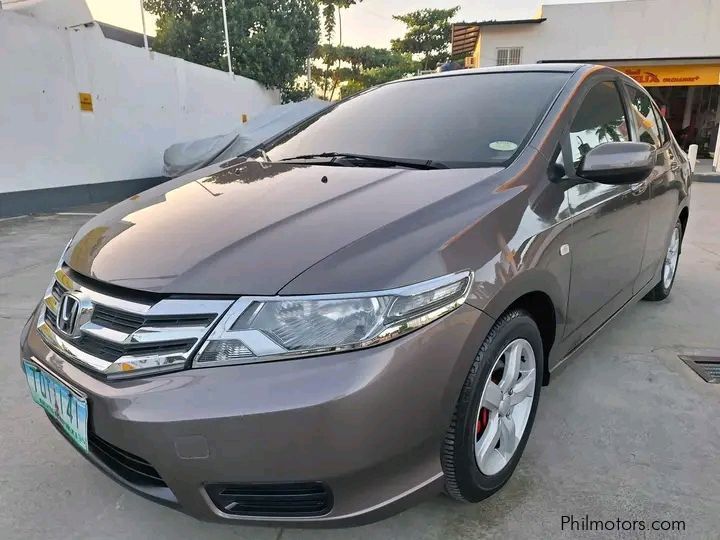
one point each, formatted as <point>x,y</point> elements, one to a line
<point>704,171</point>
<point>625,431</point>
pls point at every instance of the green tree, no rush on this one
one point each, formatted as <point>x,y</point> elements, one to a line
<point>375,76</point>
<point>270,40</point>
<point>353,69</point>
<point>427,34</point>
<point>328,79</point>
<point>328,11</point>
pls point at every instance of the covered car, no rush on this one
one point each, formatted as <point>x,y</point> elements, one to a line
<point>185,157</point>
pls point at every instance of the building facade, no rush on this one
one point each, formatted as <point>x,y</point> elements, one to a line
<point>670,47</point>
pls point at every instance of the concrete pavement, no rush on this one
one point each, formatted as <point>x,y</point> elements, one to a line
<point>626,430</point>
<point>704,171</point>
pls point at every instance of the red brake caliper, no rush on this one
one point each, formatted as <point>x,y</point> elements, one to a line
<point>484,413</point>
<point>482,421</point>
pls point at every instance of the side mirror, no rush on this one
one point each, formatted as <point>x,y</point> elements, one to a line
<point>618,163</point>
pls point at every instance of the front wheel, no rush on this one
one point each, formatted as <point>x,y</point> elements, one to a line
<point>663,287</point>
<point>496,409</point>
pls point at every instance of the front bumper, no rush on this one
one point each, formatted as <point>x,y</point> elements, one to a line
<point>368,424</point>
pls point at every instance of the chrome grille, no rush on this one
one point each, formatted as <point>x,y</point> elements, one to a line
<point>130,322</point>
<point>117,320</point>
<point>122,337</point>
<point>57,290</point>
<point>112,351</point>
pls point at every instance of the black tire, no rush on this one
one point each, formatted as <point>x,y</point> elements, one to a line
<point>464,480</point>
<point>660,291</point>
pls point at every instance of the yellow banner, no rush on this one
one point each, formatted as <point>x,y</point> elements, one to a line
<point>668,75</point>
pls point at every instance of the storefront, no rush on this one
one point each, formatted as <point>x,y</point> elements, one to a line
<point>688,96</point>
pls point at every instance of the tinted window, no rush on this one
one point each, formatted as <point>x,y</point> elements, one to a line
<point>600,119</point>
<point>462,121</point>
<point>641,108</point>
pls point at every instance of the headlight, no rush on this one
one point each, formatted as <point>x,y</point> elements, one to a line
<point>263,329</point>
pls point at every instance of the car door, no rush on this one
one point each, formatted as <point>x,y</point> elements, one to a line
<point>663,185</point>
<point>609,222</point>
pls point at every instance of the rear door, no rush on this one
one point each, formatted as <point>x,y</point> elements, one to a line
<point>663,185</point>
<point>609,221</point>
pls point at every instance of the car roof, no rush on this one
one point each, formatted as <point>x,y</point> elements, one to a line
<point>520,68</point>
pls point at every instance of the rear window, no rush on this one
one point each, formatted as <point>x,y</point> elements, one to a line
<point>462,121</point>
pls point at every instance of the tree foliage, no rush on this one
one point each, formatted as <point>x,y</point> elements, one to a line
<point>428,34</point>
<point>353,69</point>
<point>328,11</point>
<point>270,40</point>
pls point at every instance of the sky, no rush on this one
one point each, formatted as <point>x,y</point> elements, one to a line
<point>368,23</point>
<point>122,13</point>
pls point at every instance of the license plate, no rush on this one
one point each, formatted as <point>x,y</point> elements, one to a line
<point>64,405</point>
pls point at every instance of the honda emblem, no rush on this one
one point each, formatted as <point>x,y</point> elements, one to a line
<point>68,315</point>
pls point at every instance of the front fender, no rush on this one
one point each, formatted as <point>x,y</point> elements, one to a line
<point>537,266</point>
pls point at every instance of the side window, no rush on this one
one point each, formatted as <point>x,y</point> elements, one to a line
<point>600,119</point>
<point>641,108</point>
<point>661,125</point>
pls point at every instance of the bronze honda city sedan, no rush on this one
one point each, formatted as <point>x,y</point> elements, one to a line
<point>361,311</point>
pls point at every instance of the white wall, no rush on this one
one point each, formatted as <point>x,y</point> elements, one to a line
<point>61,13</point>
<point>143,103</point>
<point>612,30</point>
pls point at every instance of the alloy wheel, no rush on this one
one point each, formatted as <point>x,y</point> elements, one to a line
<point>671,258</point>
<point>505,407</point>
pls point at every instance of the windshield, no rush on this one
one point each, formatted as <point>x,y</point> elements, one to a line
<point>458,121</point>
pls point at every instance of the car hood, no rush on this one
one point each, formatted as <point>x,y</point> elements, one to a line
<point>254,227</point>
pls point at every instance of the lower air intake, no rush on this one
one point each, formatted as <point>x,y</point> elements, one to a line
<point>272,500</point>
<point>132,468</point>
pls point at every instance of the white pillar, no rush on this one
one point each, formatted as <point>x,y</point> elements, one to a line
<point>692,156</point>
<point>687,117</point>
<point>227,38</point>
<point>142,16</point>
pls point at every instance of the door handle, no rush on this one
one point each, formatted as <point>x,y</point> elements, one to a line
<point>639,187</point>
<point>674,165</point>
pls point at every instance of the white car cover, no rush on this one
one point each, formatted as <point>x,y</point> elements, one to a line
<point>185,157</point>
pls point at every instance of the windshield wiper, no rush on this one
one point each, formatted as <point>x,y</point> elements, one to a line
<point>346,159</point>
